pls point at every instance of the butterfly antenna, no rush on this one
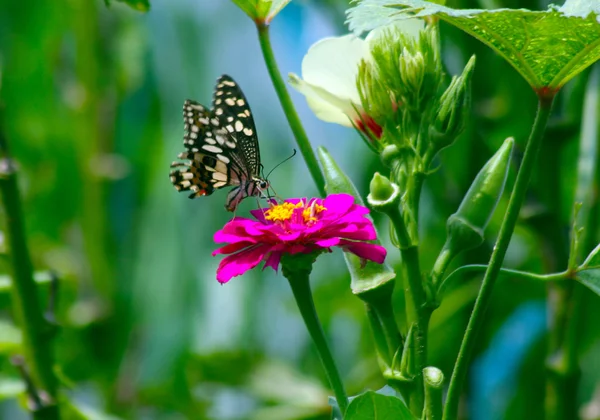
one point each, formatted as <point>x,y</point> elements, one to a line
<point>280,163</point>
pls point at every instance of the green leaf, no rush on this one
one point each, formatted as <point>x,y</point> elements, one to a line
<point>593,260</point>
<point>548,48</point>
<point>590,278</point>
<point>373,406</point>
<point>139,5</point>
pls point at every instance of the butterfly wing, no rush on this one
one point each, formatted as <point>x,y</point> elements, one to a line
<point>221,147</point>
<point>231,108</point>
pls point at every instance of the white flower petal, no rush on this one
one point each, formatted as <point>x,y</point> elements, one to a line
<point>332,64</point>
<point>326,106</point>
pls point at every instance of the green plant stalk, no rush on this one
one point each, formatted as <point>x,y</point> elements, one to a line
<point>288,108</point>
<point>416,311</point>
<point>35,330</point>
<point>567,301</point>
<point>300,284</point>
<point>385,313</point>
<point>508,226</point>
<point>381,344</point>
<point>434,386</point>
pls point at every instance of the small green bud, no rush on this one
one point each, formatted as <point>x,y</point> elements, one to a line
<point>454,108</point>
<point>390,154</point>
<point>383,193</point>
<point>412,70</point>
<point>466,227</point>
<point>381,188</point>
<point>261,11</point>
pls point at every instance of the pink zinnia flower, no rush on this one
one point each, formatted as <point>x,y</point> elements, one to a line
<point>296,226</point>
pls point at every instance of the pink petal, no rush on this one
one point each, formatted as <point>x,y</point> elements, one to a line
<point>365,250</point>
<point>260,215</point>
<point>221,237</point>
<point>327,243</point>
<point>273,260</point>
<point>237,264</point>
<point>337,204</point>
<point>233,247</point>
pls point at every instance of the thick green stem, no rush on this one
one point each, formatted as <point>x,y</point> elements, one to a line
<point>36,331</point>
<point>299,282</point>
<point>433,379</point>
<point>508,225</point>
<point>416,312</point>
<point>385,313</point>
<point>288,108</point>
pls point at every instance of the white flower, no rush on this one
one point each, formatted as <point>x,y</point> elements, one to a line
<point>329,72</point>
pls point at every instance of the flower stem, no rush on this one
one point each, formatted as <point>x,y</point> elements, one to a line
<point>416,312</point>
<point>288,108</point>
<point>300,284</point>
<point>36,331</point>
<point>508,225</point>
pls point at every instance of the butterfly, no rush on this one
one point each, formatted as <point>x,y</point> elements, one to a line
<point>221,147</point>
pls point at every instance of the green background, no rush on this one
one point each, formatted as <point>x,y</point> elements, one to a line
<point>92,101</point>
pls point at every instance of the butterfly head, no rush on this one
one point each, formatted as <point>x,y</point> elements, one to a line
<point>261,184</point>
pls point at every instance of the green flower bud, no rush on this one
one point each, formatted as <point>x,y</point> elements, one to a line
<point>370,281</point>
<point>384,194</point>
<point>454,108</point>
<point>412,69</point>
<point>466,226</point>
<point>261,11</point>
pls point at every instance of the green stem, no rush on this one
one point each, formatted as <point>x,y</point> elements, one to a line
<point>288,108</point>
<point>385,313</point>
<point>433,379</point>
<point>299,282</point>
<point>381,343</point>
<point>563,275</point>
<point>508,225</point>
<point>36,331</point>
<point>416,311</point>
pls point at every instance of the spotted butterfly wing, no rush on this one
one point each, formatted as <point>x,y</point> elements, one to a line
<point>221,147</point>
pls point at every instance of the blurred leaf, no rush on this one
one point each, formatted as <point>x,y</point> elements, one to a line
<point>10,338</point>
<point>373,406</point>
<point>11,388</point>
<point>139,5</point>
<point>548,48</point>
<point>40,277</point>
<point>590,279</point>
<point>77,411</point>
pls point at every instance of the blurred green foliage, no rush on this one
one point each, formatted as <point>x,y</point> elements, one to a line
<point>91,102</point>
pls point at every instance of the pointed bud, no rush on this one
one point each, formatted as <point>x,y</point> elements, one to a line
<point>412,70</point>
<point>261,11</point>
<point>467,225</point>
<point>454,108</point>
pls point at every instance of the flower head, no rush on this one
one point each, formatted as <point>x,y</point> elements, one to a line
<point>329,77</point>
<point>296,226</point>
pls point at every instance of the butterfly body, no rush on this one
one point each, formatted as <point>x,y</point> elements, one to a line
<point>221,147</point>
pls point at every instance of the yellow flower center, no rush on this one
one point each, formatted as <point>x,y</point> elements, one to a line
<point>283,212</point>
<point>309,214</point>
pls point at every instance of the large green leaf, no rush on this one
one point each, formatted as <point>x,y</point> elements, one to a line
<point>591,279</point>
<point>373,406</point>
<point>548,47</point>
